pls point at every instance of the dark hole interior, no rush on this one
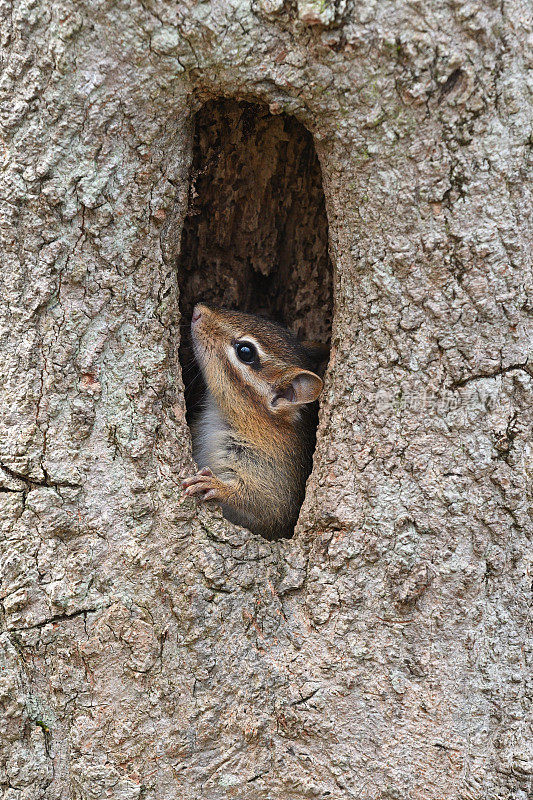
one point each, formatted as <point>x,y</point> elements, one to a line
<point>255,237</point>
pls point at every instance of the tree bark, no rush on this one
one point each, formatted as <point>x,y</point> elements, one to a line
<point>151,649</point>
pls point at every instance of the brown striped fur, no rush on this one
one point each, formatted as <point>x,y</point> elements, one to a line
<point>254,439</point>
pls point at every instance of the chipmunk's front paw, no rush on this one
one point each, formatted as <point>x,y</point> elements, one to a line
<point>204,484</point>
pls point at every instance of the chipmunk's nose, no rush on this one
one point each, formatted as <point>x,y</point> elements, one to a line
<point>199,310</point>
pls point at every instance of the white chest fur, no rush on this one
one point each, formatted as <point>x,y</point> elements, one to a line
<point>211,436</point>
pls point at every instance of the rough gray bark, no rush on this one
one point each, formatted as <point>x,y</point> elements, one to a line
<point>152,650</point>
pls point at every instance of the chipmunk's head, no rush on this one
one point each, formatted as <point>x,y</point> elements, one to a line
<point>251,364</point>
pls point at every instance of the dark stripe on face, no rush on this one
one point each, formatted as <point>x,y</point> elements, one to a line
<point>255,398</point>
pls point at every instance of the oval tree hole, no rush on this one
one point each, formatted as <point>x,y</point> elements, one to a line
<point>255,237</point>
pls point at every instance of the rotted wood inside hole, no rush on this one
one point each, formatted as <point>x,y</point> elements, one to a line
<point>255,237</point>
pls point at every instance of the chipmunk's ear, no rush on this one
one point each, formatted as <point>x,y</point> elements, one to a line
<point>301,387</point>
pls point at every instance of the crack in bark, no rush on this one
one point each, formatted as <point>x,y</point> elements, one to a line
<point>502,371</point>
<point>58,618</point>
<point>30,482</point>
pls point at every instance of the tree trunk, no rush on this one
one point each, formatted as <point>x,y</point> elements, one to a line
<point>151,649</point>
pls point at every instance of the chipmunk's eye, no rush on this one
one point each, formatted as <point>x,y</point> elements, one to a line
<point>246,352</point>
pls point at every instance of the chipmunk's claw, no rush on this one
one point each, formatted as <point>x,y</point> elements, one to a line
<point>198,478</point>
<point>204,484</point>
<point>212,494</point>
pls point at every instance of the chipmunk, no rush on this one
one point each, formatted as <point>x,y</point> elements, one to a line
<point>254,438</point>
